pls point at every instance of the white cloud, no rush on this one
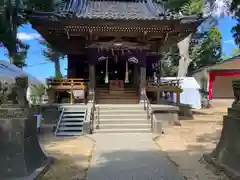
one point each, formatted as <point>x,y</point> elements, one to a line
<point>28,36</point>
<point>230,41</point>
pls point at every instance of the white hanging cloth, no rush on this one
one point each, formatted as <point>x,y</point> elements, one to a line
<point>126,73</point>
<point>106,72</point>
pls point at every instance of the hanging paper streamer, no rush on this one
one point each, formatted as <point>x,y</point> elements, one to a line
<point>126,73</point>
<point>133,60</point>
<point>106,75</point>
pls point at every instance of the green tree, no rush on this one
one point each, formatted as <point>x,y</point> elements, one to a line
<point>208,52</point>
<point>10,20</point>
<point>170,62</point>
<point>13,14</point>
<point>236,29</point>
<point>185,7</point>
<point>53,56</point>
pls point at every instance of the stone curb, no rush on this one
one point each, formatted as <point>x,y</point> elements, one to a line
<point>38,173</point>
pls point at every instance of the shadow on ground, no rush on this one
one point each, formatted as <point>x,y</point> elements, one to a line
<point>71,156</point>
<point>134,165</point>
<point>186,145</point>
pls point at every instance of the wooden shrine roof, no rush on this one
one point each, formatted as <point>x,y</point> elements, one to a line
<point>116,10</point>
<point>106,9</point>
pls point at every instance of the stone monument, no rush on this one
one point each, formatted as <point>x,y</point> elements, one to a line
<point>226,156</point>
<point>20,152</point>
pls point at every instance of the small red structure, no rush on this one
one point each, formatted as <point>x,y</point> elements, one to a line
<point>227,73</point>
<point>217,79</point>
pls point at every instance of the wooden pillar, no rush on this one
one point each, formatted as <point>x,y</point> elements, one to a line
<point>71,97</point>
<point>92,82</point>
<point>158,97</point>
<point>135,74</point>
<point>178,98</point>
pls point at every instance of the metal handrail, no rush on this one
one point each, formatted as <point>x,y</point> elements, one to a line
<point>59,121</point>
<point>148,108</point>
<point>98,120</point>
<point>92,114</point>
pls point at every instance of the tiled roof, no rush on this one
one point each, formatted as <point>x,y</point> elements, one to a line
<point>101,9</point>
<point>115,10</point>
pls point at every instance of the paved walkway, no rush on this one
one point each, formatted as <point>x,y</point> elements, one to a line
<point>129,157</point>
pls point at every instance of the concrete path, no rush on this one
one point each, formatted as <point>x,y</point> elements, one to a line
<point>129,157</point>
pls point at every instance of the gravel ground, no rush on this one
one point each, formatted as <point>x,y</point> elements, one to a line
<point>72,156</point>
<point>185,144</point>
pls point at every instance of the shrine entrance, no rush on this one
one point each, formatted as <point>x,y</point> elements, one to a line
<point>115,72</point>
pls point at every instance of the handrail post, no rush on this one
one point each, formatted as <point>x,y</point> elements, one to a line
<point>59,121</point>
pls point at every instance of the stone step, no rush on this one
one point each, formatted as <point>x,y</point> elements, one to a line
<point>69,133</point>
<point>117,101</point>
<point>124,90</point>
<point>121,111</point>
<point>125,126</point>
<point>72,115</point>
<point>110,107</point>
<point>67,128</point>
<point>118,98</point>
<point>76,123</point>
<point>72,119</point>
<point>122,116</point>
<point>74,110</point>
<point>117,95</point>
<point>113,131</point>
<point>123,121</point>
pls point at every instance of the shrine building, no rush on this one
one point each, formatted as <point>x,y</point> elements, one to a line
<point>113,47</point>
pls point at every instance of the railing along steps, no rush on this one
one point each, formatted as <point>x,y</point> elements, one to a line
<point>71,121</point>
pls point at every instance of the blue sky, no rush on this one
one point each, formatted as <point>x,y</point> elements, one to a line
<point>39,67</point>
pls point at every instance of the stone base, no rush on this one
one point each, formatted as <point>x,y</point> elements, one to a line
<point>234,175</point>
<point>226,155</point>
<point>167,114</point>
<point>20,152</point>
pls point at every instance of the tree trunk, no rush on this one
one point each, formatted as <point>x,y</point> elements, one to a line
<point>185,60</point>
<point>58,73</point>
<point>11,60</point>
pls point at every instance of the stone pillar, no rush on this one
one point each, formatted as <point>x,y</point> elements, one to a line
<point>92,82</point>
<point>21,156</point>
<point>142,80</point>
<point>226,155</point>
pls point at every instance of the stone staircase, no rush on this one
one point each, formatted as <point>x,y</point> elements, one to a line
<point>128,96</point>
<point>71,121</point>
<point>122,118</point>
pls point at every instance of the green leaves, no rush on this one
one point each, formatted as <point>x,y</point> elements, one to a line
<point>10,20</point>
<point>235,7</point>
<point>208,52</point>
<point>170,62</point>
<point>192,7</point>
<point>53,55</point>
<point>41,5</point>
<point>186,7</point>
<point>12,16</point>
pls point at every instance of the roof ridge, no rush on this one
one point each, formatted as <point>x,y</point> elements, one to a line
<point>122,0</point>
